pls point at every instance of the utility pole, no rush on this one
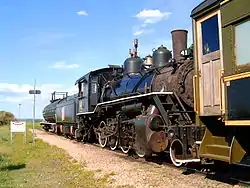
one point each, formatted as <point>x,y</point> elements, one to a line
<point>34,92</point>
<point>19,112</point>
<point>34,111</point>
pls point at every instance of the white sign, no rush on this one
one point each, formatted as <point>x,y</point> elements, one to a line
<point>17,127</point>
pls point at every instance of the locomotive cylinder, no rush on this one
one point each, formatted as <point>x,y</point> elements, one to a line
<point>179,42</point>
<point>149,135</point>
<point>132,109</point>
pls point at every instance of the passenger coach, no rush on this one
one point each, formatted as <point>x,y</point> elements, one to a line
<point>221,31</point>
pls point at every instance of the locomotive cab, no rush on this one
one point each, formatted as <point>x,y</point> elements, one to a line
<point>90,87</point>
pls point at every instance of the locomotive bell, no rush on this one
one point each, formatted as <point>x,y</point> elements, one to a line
<point>161,56</point>
<point>148,60</point>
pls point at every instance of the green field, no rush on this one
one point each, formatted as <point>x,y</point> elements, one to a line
<point>42,165</point>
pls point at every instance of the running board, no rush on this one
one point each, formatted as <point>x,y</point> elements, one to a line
<point>121,100</point>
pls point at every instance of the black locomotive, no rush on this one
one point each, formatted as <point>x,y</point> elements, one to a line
<point>146,105</point>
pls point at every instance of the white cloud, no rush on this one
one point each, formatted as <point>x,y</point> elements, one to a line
<point>137,33</point>
<point>15,91</point>
<point>6,87</point>
<point>82,13</point>
<point>63,65</point>
<point>152,16</point>
<point>13,94</point>
<point>140,32</point>
<point>149,17</point>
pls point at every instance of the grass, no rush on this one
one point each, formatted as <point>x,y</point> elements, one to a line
<point>42,165</point>
<point>36,126</point>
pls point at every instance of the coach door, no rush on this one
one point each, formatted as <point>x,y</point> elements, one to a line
<point>210,64</point>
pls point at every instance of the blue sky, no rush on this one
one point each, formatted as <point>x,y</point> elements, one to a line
<point>58,41</point>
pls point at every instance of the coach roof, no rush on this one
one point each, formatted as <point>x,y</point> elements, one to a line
<point>202,7</point>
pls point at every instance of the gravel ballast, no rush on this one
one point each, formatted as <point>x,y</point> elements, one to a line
<point>127,172</point>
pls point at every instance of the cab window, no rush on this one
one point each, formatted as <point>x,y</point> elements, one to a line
<point>242,41</point>
<point>210,35</point>
<point>93,87</point>
<point>81,89</point>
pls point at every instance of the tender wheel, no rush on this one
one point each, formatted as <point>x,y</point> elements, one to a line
<point>56,129</point>
<point>113,142</point>
<point>175,148</point>
<point>78,136</point>
<point>102,141</point>
<point>46,128</point>
<point>53,129</point>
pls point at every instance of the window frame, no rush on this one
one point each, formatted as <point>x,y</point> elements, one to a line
<point>234,44</point>
<point>216,14</point>
<point>94,90</point>
<point>81,89</point>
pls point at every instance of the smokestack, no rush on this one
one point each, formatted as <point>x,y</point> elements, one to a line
<point>179,42</point>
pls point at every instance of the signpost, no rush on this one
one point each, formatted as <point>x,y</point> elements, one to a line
<point>17,127</point>
<point>34,92</point>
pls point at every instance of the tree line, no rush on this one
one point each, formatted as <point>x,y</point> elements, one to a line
<point>6,118</point>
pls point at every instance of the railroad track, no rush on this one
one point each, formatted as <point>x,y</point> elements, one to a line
<point>221,176</point>
<point>232,175</point>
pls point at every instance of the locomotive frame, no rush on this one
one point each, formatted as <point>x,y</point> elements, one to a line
<point>211,122</point>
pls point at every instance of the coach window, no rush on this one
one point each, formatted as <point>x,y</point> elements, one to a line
<point>210,35</point>
<point>242,41</point>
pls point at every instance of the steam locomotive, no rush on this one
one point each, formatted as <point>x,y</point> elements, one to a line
<point>146,105</point>
<point>185,104</point>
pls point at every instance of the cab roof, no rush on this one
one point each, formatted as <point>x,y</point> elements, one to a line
<point>85,78</point>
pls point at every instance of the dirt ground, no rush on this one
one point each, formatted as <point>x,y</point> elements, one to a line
<point>127,172</point>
